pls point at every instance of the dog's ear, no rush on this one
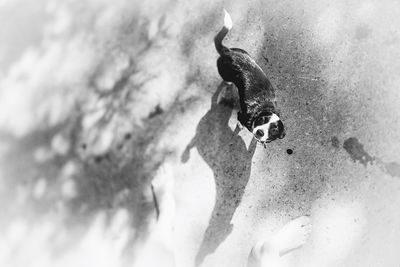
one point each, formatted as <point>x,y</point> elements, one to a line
<point>282,131</point>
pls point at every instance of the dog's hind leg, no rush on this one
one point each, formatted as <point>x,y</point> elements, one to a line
<point>226,97</point>
<point>224,65</point>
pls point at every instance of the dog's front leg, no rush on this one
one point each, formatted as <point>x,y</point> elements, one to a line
<point>238,128</point>
<point>239,125</point>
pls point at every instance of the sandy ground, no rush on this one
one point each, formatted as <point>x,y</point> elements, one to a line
<point>111,134</point>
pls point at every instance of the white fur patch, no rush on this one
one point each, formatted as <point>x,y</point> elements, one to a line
<point>265,127</point>
<point>274,118</point>
<point>227,20</point>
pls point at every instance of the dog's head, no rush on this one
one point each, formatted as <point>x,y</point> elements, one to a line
<point>268,127</point>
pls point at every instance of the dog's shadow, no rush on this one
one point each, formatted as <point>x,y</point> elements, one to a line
<point>230,160</point>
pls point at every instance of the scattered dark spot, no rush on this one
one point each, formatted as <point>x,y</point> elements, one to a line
<point>357,152</point>
<point>306,103</point>
<point>128,136</point>
<point>157,111</point>
<point>84,146</point>
<point>289,151</point>
<point>266,59</point>
<point>393,169</point>
<point>335,142</point>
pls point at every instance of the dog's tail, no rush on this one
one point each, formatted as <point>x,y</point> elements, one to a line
<point>222,33</point>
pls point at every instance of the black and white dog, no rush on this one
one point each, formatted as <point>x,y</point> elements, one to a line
<point>256,94</point>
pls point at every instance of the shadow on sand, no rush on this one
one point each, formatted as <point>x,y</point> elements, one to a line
<point>230,160</point>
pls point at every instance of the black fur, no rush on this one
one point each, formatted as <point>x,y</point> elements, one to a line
<point>256,93</point>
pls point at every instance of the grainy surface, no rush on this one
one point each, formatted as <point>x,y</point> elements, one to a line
<point>95,96</point>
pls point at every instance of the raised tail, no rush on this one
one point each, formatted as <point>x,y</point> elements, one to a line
<point>222,33</point>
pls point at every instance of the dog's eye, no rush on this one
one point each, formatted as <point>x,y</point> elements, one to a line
<point>259,133</point>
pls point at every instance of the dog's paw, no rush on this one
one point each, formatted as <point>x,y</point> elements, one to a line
<point>239,128</point>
